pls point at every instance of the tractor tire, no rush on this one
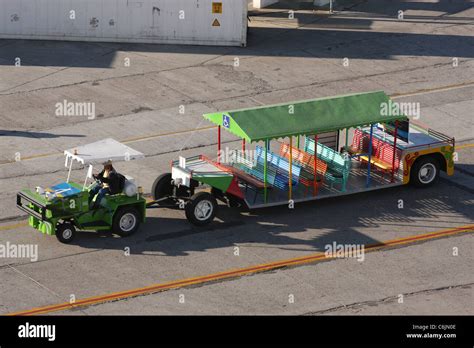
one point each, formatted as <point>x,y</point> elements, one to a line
<point>201,209</point>
<point>425,171</point>
<point>65,232</point>
<point>126,221</point>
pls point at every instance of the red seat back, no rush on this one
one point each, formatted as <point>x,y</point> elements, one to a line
<point>360,141</point>
<point>386,155</point>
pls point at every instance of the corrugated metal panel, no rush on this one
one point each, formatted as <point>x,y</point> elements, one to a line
<point>146,21</point>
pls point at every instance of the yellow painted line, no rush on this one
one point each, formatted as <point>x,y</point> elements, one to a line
<point>39,156</point>
<point>12,227</point>
<point>432,90</point>
<point>126,141</point>
<point>235,273</point>
<point>26,158</point>
<point>153,136</point>
<point>465,146</point>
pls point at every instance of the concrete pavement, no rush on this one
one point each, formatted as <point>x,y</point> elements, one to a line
<point>286,60</point>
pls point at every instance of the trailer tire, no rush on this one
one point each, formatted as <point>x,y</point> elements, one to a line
<point>201,209</point>
<point>162,187</point>
<point>65,232</point>
<point>425,171</point>
<point>126,221</point>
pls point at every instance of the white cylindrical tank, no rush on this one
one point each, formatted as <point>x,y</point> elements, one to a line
<point>130,189</point>
<point>194,22</point>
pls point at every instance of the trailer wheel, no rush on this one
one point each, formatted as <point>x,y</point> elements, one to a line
<point>201,209</point>
<point>65,232</point>
<point>126,221</point>
<point>425,172</point>
<point>162,187</point>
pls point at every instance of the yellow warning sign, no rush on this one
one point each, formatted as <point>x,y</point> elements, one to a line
<point>216,23</point>
<point>217,7</point>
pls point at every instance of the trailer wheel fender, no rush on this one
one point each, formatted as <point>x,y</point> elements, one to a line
<point>162,187</point>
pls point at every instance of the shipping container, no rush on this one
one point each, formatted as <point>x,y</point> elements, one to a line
<point>189,22</point>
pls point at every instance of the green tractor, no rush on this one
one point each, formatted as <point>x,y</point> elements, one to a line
<point>64,208</point>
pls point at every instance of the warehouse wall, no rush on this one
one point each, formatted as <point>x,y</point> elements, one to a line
<point>206,22</point>
<point>265,3</point>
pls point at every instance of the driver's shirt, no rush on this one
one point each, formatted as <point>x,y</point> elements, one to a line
<point>106,175</point>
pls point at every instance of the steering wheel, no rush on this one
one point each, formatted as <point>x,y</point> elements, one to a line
<point>94,183</point>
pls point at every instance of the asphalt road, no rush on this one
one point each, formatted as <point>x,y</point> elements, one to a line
<point>286,60</point>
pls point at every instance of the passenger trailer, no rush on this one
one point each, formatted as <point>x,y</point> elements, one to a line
<point>267,171</point>
<point>371,152</point>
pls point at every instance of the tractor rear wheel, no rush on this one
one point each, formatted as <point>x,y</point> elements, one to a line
<point>126,221</point>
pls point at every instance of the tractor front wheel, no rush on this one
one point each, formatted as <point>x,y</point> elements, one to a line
<point>65,232</point>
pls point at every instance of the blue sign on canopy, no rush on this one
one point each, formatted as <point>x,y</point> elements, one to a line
<point>226,121</point>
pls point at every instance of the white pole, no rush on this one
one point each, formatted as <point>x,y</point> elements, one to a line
<point>88,176</point>
<point>330,6</point>
<point>69,173</point>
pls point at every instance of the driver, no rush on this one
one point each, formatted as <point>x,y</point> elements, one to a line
<point>109,184</point>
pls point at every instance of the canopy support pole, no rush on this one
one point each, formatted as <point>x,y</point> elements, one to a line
<point>315,183</point>
<point>370,154</point>
<point>218,144</point>
<point>69,172</point>
<point>243,145</point>
<point>265,190</point>
<point>394,149</point>
<point>290,179</point>
<point>346,143</point>
<point>89,175</point>
<point>298,142</point>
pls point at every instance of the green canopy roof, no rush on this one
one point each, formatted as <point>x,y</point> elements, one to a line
<point>306,117</point>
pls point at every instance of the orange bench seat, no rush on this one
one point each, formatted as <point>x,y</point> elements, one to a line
<point>307,163</point>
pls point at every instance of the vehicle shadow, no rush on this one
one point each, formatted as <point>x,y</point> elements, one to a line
<point>365,218</point>
<point>39,135</point>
